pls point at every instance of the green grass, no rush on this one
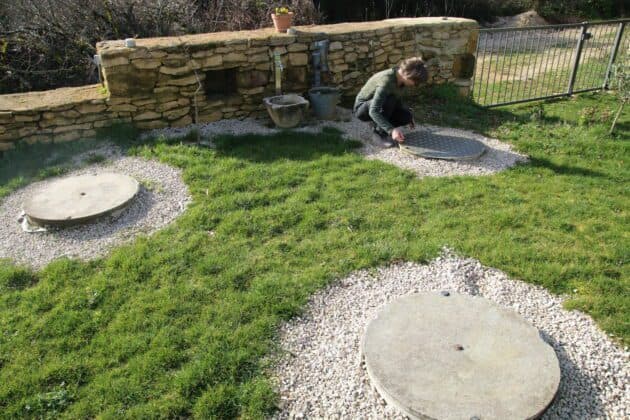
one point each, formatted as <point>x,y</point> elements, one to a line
<point>182,323</point>
<point>488,91</point>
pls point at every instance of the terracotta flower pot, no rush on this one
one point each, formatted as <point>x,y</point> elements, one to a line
<point>282,22</point>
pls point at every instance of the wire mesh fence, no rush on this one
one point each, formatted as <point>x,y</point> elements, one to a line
<point>524,64</point>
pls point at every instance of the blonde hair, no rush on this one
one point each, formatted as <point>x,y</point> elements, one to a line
<point>413,68</point>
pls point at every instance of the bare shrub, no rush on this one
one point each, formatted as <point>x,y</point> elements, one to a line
<point>50,43</point>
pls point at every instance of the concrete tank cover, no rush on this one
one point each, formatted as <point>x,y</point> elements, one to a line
<point>452,356</point>
<point>442,143</point>
<point>79,199</point>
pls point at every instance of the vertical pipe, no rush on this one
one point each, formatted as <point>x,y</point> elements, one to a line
<point>490,66</point>
<point>483,67</point>
<point>566,63</point>
<point>521,86</point>
<point>578,55</point>
<point>537,57</point>
<point>541,88</point>
<point>473,91</point>
<point>501,94</point>
<point>613,53</point>
<point>555,63</point>
<point>278,71</point>
<point>583,77</point>
<point>510,77</point>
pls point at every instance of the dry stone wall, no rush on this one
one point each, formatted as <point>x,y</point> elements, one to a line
<point>175,81</point>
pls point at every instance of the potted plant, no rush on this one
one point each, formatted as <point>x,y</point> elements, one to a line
<point>282,19</point>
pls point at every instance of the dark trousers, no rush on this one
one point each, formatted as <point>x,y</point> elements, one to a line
<point>393,110</point>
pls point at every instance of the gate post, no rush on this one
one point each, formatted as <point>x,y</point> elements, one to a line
<point>613,53</point>
<point>578,54</point>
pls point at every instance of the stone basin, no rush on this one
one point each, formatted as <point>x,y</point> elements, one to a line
<point>286,111</point>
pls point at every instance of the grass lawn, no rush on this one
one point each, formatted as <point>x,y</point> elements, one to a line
<point>182,323</point>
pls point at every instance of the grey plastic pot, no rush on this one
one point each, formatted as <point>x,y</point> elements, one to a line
<point>324,101</point>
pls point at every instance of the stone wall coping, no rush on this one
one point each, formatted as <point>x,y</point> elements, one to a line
<point>51,99</point>
<point>306,33</point>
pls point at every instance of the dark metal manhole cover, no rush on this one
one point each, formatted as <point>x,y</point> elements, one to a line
<point>442,144</point>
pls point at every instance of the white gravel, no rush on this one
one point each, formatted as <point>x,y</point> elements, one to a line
<point>498,156</point>
<point>320,373</point>
<point>162,197</point>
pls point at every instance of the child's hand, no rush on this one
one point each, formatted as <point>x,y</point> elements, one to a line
<point>398,135</point>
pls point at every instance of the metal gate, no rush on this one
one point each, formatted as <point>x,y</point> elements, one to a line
<point>538,62</point>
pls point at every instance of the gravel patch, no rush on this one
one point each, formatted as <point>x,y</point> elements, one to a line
<point>320,374</point>
<point>499,156</point>
<point>163,196</point>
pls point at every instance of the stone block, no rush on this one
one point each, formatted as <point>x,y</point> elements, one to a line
<point>114,61</point>
<point>144,101</point>
<point>151,125</point>
<point>74,127</point>
<point>165,89</point>
<point>184,81</point>
<point>39,138</point>
<point>471,46</point>
<point>117,101</point>
<point>176,113</point>
<point>182,122</point>
<point>440,34</point>
<point>91,108</point>
<point>4,146</point>
<point>254,91</point>
<point>53,122</point>
<point>176,71</point>
<point>234,57</point>
<point>145,64</point>
<point>258,58</point>
<point>351,57</point>
<point>298,59</point>
<point>281,40</point>
<point>212,61</point>
<point>251,79</point>
<point>297,47</point>
<point>334,46</point>
<point>132,82</point>
<point>71,113</point>
<point>148,115</point>
<point>123,108</point>
<point>27,131</point>
<point>338,67</point>
<point>463,66</point>
<point>27,117</point>
<point>210,117</point>
<point>167,106</point>
<point>68,136</point>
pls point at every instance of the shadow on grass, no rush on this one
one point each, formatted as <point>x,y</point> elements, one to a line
<point>564,169</point>
<point>286,145</point>
<point>31,162</point>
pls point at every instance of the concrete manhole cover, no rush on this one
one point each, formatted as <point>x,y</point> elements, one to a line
<point>442,144</point>
<point>459,357</point>
<point>80,199</point>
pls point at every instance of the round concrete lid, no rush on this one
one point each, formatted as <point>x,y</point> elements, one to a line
<point>81,198</point>
<point>459,357</point>
<point>442,144</point>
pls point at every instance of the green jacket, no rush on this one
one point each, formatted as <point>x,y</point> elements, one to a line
<point>377,89</point>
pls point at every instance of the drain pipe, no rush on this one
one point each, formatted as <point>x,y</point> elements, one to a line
<point>279,68</point>
<point>320,60</point>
